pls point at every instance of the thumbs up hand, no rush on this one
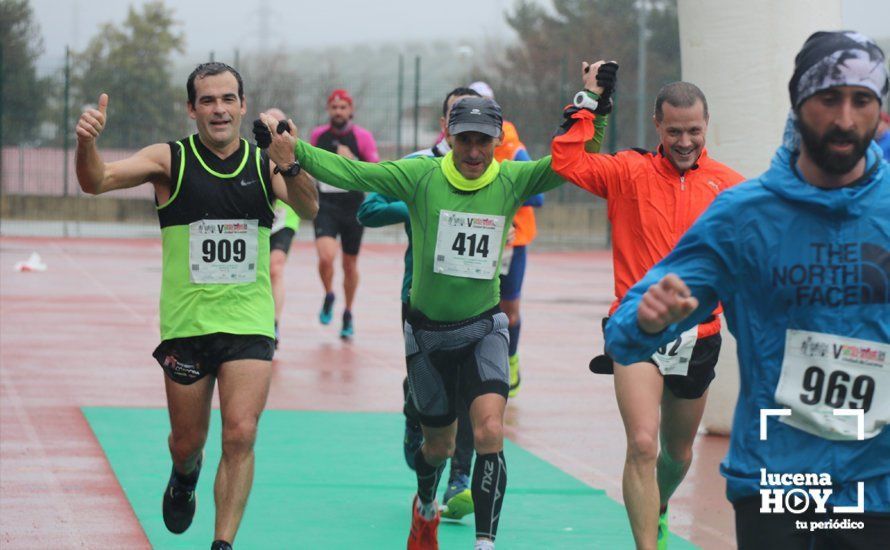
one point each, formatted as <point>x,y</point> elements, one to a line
<point>92,121</point>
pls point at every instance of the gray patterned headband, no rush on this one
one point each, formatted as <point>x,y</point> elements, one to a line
<point>838,58</point>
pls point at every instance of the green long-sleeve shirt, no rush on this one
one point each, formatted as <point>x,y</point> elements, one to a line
<point>421,183</point>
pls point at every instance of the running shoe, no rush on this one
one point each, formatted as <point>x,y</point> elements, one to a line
<point>413,441</point>
<point>348,329</point>
<point>179,502</point>
<point>602,364</point>
<point>220,545</point>
<point>327,309</point>
<point>458,498</point>
<point>515,379</point>
<point>663,531</point>
<point>424,532</point>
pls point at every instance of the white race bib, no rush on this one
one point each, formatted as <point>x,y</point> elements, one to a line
<point>468,245</point>
<point>223,251</point>
<point>674,357</point>
<point>823,372</point>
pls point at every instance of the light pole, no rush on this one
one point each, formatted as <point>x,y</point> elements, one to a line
<point>643,7</point>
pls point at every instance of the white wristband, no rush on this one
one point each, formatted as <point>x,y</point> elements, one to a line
<point>584,101</point>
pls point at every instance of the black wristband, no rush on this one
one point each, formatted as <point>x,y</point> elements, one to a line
<point>291,171</point>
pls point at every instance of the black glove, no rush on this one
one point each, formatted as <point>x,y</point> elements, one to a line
<point>263,136</point>
<point>607,78</point>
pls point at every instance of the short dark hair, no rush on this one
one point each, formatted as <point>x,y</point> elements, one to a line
<point>679,94</point>
<point>211,69</point>
<point>460,90</point>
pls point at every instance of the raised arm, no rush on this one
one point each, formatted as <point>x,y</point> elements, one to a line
<point>576,147</point>
<point>544,176</point>
<point>151,164</point>
<point>297,190</point>
<point>391,178</point>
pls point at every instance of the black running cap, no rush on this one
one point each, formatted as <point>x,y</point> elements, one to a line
<point>476,114</point>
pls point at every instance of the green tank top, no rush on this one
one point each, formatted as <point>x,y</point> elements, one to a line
<point>215,237</point>
<point>285,217</point>
<point>457,235</point>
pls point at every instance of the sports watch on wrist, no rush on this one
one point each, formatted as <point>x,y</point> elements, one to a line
<point>585,99</point>
<point>291,171</point>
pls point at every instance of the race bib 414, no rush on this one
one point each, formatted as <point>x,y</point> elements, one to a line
<point>468,245</point>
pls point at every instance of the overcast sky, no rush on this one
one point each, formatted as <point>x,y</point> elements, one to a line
<point>225,25</point>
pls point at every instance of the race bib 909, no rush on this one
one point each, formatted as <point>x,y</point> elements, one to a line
<point>223,251</point>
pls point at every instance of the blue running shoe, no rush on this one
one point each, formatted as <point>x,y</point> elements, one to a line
<point>327,309</point>
<point>458,500</point>
<point>348,329</point>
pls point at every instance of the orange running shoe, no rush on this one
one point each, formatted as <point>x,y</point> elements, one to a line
<point>424,532</point>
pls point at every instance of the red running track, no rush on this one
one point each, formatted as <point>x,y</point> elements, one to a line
<point>81,334</point>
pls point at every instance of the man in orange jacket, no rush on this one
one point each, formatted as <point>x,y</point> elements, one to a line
<point>653,198</point>
<point>524,231</point>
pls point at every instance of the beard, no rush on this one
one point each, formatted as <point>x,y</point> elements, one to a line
<point>829,161</point>
<point>339,122</point>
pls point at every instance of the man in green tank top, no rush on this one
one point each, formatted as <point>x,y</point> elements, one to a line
<point>215,195</point>
<point>456,341</point>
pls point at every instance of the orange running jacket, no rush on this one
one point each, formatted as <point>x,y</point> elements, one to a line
<point>650,204</point>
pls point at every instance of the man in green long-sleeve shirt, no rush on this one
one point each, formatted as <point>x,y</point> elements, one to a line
<point>460,208</point>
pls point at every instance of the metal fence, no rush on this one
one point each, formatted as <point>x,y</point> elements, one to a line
<point>399,101</point>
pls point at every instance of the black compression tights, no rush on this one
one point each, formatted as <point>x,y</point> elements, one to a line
<point>489,486</point>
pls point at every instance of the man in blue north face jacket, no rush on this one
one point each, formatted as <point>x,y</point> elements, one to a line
<point>800,259</point>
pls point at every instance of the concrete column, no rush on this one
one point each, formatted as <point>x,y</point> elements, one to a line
<point>741,54</point>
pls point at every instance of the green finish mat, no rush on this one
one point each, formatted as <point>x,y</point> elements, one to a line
<point>339,481</point>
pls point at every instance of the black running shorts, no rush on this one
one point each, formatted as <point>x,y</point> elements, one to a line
<point>281,239</point>
<point>336,216</point>
<point>187,360</point>
<point>701,368</point>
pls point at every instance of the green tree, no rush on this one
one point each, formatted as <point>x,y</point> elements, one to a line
<point>23,93</point>
<point>534,78</point>
<point>132,64</point>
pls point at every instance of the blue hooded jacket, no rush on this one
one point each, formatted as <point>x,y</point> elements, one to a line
<point>780,254</point>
